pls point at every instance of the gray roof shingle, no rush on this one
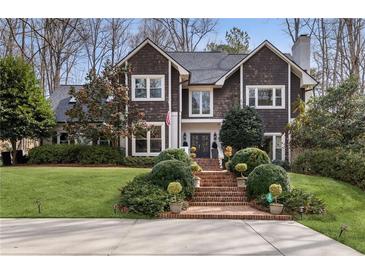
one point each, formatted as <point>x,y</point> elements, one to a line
<point>60,101</point>
<point>206,67</point>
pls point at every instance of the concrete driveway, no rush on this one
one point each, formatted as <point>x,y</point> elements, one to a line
<point>163,237</point>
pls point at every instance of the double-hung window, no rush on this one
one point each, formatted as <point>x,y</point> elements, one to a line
<point>201,103</point>
<point>148,87</point>
<point>274,145</point>
<point>149,142</point>
<point>265,97</point>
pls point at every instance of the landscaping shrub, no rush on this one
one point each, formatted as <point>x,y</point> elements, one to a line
<point>241,127</point>
<point>284,164</point>
<point>339,164</point>
<point>141,196</point>
<point>173,154</point>
<point>173,170</point>
<point>251,156</point>
<point>67,154</point>
<point>293,200</point>
<point>139,161</point>
<point>260,179</point>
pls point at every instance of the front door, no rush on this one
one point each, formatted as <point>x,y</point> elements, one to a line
<point>202,143</point>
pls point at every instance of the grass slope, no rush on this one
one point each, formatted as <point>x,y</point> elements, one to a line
<point>63,191</point>
<point>345,205</point>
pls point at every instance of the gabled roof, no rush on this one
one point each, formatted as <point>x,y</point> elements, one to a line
<point>179,67</point>
<point>206,67</point>
<point>60,101</point>
<point>306,80</point>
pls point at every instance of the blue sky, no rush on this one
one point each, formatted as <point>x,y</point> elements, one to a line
<point>258,30</point>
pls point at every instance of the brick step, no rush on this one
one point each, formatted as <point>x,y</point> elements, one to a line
<point>206,184</point>
<point>220,193</point>
<point>217,203</point>
<point>218,199</point>
<point>218,180</point>
<point>212,176</point>
<point>218,189</point>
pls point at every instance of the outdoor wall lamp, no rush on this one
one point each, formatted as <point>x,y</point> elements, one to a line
<point>215,136</point>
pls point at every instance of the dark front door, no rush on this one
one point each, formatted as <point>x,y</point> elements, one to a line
<point>202,143</point>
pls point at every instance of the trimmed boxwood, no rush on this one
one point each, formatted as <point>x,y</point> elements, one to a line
<point>337,163</point>
<point>141,196</point>
<point>169,171</point>
<point>173,154</point>
<point>260,179</point>
<point>139,161</point>
<point>251,156</point>
<point>80,154</point>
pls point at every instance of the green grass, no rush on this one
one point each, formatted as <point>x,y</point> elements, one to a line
<point>345,205</point>
<point>63,191</point>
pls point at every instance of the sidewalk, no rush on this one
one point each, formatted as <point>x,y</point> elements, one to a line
<point>163,237</point>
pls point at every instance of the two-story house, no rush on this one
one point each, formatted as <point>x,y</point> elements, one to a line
<point>185,95</point>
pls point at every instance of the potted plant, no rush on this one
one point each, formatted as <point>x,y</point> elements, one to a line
<point>176,202</point>
<point>214,150</point>
<point>228,153</point>
<point>276,208</point>
<point>192,152</point>
<point>241,181</point>
<point>196,168</point>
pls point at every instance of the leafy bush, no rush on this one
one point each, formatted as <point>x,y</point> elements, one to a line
<point>241,128</point>
<point>293,200</point>
<point>242,167</point>
<point>141,196</point>
<point>284,164</point>
<point>260,179</point>
<point>173,170</point>
<point>275,190</point>
<point>83,154</point>
<point>174,188</point>
<point>139,161</point>
<point>195,167</point>
<point>339,164</point>
<point>173,154</point>
<point>252,157</point>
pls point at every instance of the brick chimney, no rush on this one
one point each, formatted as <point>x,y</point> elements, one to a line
<point>301,51</point>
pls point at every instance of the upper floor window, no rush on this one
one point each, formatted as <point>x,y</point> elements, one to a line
<point>265,97</point>
<point>148,87</point>
<point>201,103</point>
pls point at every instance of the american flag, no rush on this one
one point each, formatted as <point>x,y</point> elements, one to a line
<point>168,119</point>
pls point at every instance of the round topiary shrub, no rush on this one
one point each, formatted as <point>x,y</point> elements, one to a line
<point>173,154</point>
<point>252,157</point>
<point>260,179</point>
<point>173,170</point>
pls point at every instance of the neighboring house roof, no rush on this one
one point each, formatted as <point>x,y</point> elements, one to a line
<point>60,101</point>
<point>206,67</point>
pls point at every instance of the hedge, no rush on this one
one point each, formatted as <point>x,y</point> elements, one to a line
<point>341,164</point>
<point>260,179</point>
<point>139,161</point>
<point>69,154</point>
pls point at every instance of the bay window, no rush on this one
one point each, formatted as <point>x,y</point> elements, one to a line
<point>148,87</point>
<point>149,142</point>
<point>265,97</point>
<point>201,103</point>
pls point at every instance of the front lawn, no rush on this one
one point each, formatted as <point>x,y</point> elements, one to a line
<point>63,191</point>
<point>345,205</point>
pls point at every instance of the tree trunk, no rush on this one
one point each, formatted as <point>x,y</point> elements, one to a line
<point>13,145</point>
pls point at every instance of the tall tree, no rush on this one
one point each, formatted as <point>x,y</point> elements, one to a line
<point>237,41</point>
<point>24,112</point>
<point>106,100</point>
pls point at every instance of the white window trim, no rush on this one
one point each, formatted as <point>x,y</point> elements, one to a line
<point>256,87</point>
<point>59,137</point>
<point>148,153</point>
<point>148,78</point>
<point>277,134</point>
<point>210,90</point>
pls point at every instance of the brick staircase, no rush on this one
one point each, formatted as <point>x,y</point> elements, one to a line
<point>208,164</point>
<point>218,197</point>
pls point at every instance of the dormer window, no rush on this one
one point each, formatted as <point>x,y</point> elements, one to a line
<point>148,87</point>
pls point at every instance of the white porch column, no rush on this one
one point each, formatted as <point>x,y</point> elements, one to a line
<point>174,129</point>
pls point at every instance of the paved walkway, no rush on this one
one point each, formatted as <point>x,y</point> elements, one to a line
<point>163,237</point>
